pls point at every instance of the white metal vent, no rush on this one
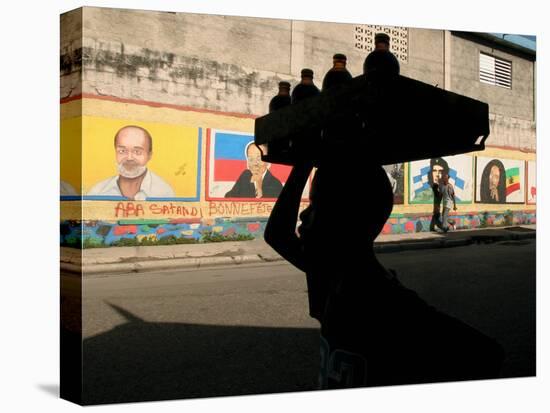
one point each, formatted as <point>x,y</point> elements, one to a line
<point>495,71</point>
<point>399,39</point>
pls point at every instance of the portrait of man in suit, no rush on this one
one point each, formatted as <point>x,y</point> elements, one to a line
<point>256,181</point>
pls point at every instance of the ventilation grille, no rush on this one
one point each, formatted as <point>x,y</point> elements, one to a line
<point>399,39</point>
<point>495,71</point>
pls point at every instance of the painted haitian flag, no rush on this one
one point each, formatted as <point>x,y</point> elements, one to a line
<point>235,169</point>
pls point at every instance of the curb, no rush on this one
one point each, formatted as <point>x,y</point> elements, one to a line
<point>157,265</point>
<point>185,263</point>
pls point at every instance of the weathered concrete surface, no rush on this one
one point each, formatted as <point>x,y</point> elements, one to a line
<point>517,102</point>
<point>71,53</point>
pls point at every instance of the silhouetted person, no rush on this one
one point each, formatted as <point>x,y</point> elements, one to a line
<point>448,202</point>
<point>493,183</point>
<point>438,168</point>
<point>374,331</point>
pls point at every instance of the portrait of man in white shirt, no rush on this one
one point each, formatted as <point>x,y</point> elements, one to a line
<point>133,150</point>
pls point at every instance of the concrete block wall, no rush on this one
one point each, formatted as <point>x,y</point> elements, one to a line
<point>512,110</point>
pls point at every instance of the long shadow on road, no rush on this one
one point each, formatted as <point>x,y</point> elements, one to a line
<point>143,361</point>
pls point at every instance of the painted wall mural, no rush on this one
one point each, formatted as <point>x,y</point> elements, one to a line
<point>423,173</point>
<point>531,182</point>
<point>240,190</point>
<point>128,232</point>
<point>235,170</point>
<point>396,175</point>
<point>129,160</point>
<point>71,159</point>
<point>500,181</point>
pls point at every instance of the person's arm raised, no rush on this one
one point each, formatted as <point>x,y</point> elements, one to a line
<point>280,231</point>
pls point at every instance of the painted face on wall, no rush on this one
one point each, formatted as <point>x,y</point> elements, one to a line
<point>132,152</point>
<point>437,173</point>
<point>254,161</point>
<point>494,178</point>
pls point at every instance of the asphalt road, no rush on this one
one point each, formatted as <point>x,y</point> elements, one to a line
<point>245,329</point>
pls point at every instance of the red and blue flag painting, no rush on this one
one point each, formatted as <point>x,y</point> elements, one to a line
<point>233,162</point>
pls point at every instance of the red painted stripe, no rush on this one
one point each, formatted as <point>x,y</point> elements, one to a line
<point>231,169</point>
<point>228,169</point>
<point>158,105</point>
<point>512,188</point>
<point>207,163</point>
<point>193,109</point>
<point>70,98</point>
<point>280,172</point>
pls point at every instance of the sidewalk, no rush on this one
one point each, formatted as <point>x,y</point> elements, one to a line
<point>106,261</point>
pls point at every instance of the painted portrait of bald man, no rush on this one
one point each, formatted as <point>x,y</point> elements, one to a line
<point>133,150</point>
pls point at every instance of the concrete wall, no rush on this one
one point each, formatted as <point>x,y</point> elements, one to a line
<point>512,110</point>
<point>517,102</point>
<point>188,76</point>
<point>71,53</point>
<point>228,64</point>
<point>426,56</point>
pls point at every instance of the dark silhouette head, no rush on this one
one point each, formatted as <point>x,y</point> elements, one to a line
<point>493,183</point>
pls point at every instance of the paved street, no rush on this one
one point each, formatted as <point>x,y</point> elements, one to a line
<point>245,329</point>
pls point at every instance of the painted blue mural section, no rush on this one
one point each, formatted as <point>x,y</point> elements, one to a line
<point>98,234</point>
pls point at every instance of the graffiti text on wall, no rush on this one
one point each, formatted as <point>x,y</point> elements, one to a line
<point>134,209</point>
<point>212,209</point>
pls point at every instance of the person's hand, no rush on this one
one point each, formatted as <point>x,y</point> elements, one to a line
<point>257,179</point>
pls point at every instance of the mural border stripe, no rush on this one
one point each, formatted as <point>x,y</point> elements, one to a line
<point>157,105</point>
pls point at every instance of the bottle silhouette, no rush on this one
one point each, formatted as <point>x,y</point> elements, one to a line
<point>278,151</point>
<point>341,128</point>
<point>306,88</point>
<point>338,74</point>
<point>381,61</point>
<point>282,99</point>
<point>305,145</point>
